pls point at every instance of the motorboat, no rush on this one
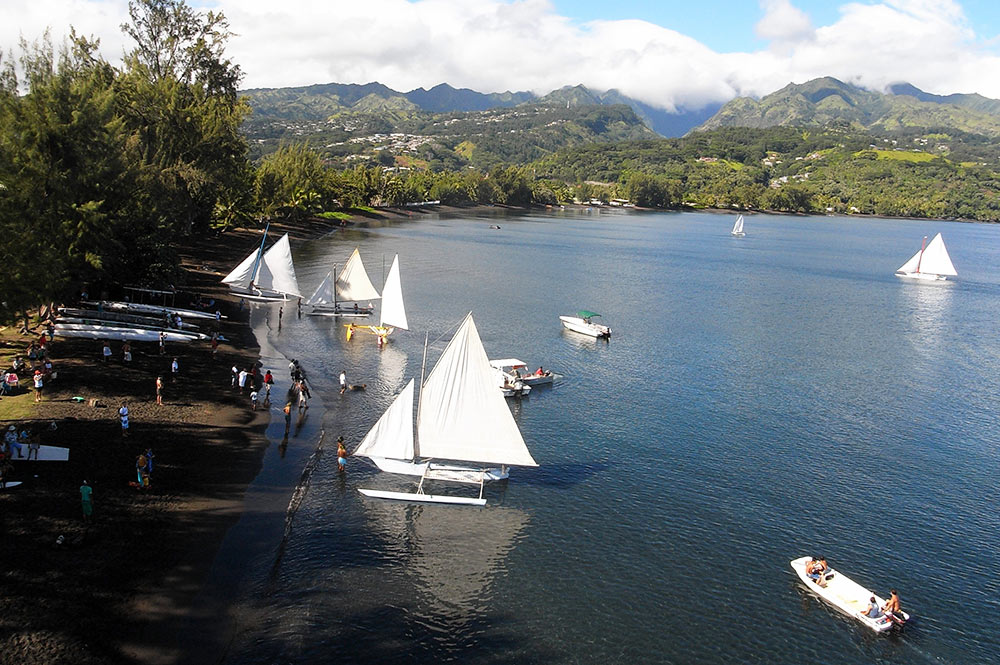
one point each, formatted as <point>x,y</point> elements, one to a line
<point>849,597</point>
<point>583,323</point>
<point>517,370</point>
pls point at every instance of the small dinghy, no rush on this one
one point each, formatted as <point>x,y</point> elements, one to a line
<point>849,597</point>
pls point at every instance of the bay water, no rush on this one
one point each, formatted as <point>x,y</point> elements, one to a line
<point>760,399</point>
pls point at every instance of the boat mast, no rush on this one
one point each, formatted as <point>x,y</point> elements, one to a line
<point>260,252</point>
<point>334,289</point>
<point>420,394</point>
<point>923,246</point>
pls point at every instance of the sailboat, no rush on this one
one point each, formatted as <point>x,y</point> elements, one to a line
<point>461,418</point>
<point>351,285</point>
<point>393,314</point>
<point>266,276</point>
<point>738,228</point>
<point>931,263</point>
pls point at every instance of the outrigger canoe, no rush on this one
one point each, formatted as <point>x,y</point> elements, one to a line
<point>848,596</point>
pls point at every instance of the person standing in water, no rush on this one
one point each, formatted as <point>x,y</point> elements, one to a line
<point>341,453</point>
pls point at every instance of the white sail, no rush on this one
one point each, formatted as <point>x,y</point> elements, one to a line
<point>393,313</point>
<point>462,415</point>
<point>242,275</point>
<point>738,226</point>
<point>323,295</point>
<point>936,259</point>
<point>353,284</point>
<point>932,260</point>
<point>392,435</point>
<point>276,272</point>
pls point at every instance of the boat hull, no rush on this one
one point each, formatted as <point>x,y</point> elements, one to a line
<point>423,498</point>
<point>576,324</point>
<point>922,276</point>
<point>847,596</point>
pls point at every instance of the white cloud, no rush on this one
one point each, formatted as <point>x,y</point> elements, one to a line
<point>496,45</point>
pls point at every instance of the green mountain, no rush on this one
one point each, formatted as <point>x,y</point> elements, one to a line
<point>828,102</point>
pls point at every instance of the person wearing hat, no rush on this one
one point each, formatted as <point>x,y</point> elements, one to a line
<point>39,382</point>
<point>11,439</point>
<point>341,453</point>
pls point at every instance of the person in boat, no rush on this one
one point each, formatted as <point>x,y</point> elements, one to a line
<point>892,605</point>
<point>540,371</point>
<point>812,569</point>
<point>873,611</point>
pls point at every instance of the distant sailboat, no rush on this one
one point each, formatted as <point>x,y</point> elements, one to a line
<point>738,228</point>
<point>931,263</point>
<point>266,276</point>
<point>351,286</point>
<point>393,314</point>
<point>461,417</point>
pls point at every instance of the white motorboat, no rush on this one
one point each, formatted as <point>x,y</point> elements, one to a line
<point>341,297</point>
<point>266,276</point>
<point>461,419</point>
<point>517,370</point>
<point>583,323</point>
<point>738,228</point>
<point>848,596</point>
<point>931,263</point>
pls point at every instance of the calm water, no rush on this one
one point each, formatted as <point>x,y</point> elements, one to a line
<point>761,398</point>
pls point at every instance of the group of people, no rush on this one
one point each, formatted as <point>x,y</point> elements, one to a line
<point>38,366</point>
<point>817,569</point>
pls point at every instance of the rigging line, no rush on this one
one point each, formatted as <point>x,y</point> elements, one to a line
<point>296,501</point>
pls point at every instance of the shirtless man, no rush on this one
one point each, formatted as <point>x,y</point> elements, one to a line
<point>892,605</point>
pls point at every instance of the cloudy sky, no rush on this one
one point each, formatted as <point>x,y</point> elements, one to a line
<point>665,52</point>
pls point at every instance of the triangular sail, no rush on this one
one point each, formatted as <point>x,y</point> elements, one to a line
<point>392,435</point>
<point>242,275</point>
<point>277,273</point>
<point>911,265</point>
<point>462,415</point>
<point>353,284</point>
<point>936,259</point>
<point>323,295</point>
<point>393,314</point>
<point>738,226</point>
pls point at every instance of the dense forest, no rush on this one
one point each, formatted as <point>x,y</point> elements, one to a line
<point>103,168</point>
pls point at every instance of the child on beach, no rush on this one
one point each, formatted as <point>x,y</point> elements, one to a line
<point>253,400</point>
<point>341,453</point>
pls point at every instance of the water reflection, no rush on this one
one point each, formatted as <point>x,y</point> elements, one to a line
<point>927,308</point>
<point>453,555</point>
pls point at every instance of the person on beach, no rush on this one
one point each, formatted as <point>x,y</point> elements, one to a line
<point>174,370</point>
<point>341,453</point>
<point>163,343</point>
<point>149,461</point>
<point>243,380</point>
<point>235,376</point>
<point>343,381</point>
<point>142,479</point>
<point>159,390</point>
<point>298,306</point>
<point>123,414</point>
<point>11,440</point>
<point>87,500</point>
<point>215,344</point>
<point>39,383</point>
<point>302,396</point>
<point>281,311</point>
<point>253,400</point>
<point>268,382</point>
<point>288,417</point>
<point>107,352</point>
<point>127,352</point>
<point>33,447</point>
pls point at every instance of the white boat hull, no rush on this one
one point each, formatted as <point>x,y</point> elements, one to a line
<point>423,498</point>
<point>576,324</point>
<point>103,332</point>
<point>152,309</point>
<point>846,595</point>
<point>98,323</point>
<point>48,453</point>
<point>12,483</point>
<point>923,276</point>
<point>737,234</point>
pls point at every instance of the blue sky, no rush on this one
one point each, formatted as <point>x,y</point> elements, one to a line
<point>727,25</point>
<point>677,55</point>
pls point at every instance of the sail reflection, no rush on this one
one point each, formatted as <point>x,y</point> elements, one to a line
<point>391,368</point>
<point>928,307</point>
<point>453,555</point>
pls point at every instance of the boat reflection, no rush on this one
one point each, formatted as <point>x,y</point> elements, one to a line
<point>927,308</point>
<point>454,556</point>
